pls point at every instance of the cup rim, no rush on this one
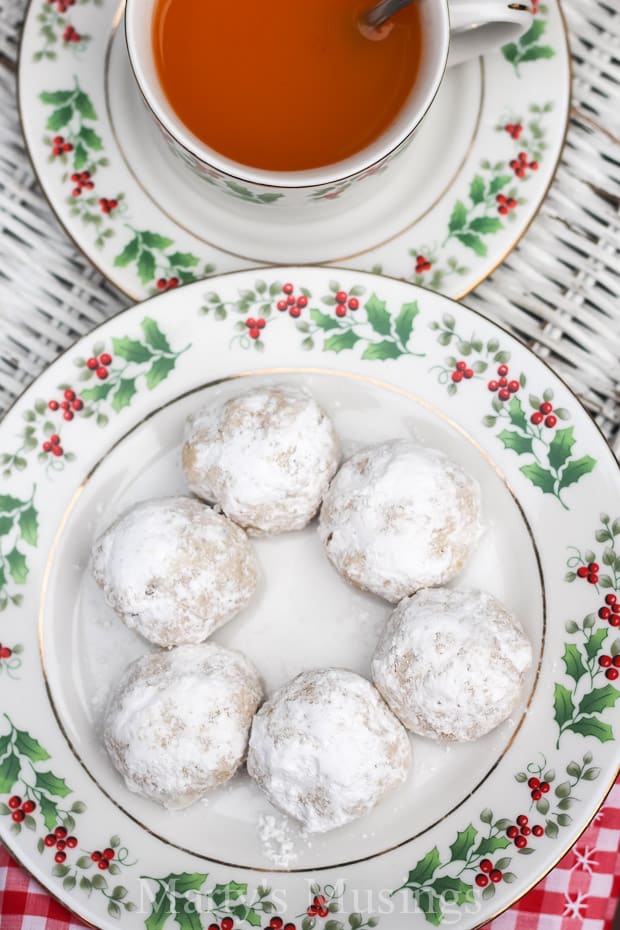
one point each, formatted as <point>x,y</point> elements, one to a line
<point>351,167</point>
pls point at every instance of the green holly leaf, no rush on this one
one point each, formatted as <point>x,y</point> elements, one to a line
<point>124,393</point>
<point>424,870</point>
<point>590,726</point>
<point>430,905</point>
<point>231,891</point>
<point>486,225</point>
<point>17,565</point>
<point>9,772</point>
<point>242,912</point>
<point>573,661</point>
<point>49,811</point>
<point>59,118</point>
<point>6,525</point>
<point>84,106</point>
<point>597,700</point>
<point>454,890</point>
<point>131,350</point>
<point>563,707</point>
<point>476,190</point>
<point>510,52</point>
<point>129,253</point>
<point>459,217</point>
<point>494,187</point>
<point>155,241</point>
<point>90,138</point>
<point>323,320</point>
<point>154,336</point>
<point>473,242</point>
<point>146,266</point>
<point>5,740</point>
<point>29,525</point>
<point>186,915</point>
<point>55,97</point>
<point>382,350</point>
<point>98,392</point>
<point>534,33</point>
<point>516,442</point>
<point>8,504</point>
<point>378,317</point>
<point>80,156</point>
<point>576,470</point>
<point>516,413</point>
<point>465,839</point>
<point>535,52</point>
<point>593,645</point>
<point>539,476</point>
<point>490,844</point>
<point>340,341</point>
<point>560,448</point>
<point>160,911</point>
<point>51,784</point>
<point>159,371</point>
<point>404,321</point>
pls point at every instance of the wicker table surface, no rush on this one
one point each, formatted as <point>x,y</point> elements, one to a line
<point>558,291</point>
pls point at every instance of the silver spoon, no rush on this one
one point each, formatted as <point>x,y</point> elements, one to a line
<point>382,11</point>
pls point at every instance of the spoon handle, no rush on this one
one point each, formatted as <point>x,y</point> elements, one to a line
<point>381,11</point>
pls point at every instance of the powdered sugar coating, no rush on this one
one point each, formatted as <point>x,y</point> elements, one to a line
<point>398,517</point>
<point>177,722</point>
<point>451,663</point>
<point>266,457</point>
<point>325,748</point>
<point>174,569</point>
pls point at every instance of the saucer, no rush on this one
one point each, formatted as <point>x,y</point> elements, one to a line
<point>444,216</point>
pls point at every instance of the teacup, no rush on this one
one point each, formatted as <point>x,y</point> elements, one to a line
<point>454,31</point>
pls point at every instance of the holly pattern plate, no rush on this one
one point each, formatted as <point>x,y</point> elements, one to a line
<point>451,212</point>
<point>477,824</point>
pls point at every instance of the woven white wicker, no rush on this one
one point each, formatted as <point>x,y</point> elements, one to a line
<point>559,290</point>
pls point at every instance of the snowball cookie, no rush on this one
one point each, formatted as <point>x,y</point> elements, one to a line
<point>398,517</point>
<point>266,457</point>
<point>174,569</point>
<point>451,664</point>
<point>325,748</point>
<point>177,722</point>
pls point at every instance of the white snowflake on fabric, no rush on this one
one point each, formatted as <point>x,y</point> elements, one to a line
<point>584,859</point>
<point>574,905</point>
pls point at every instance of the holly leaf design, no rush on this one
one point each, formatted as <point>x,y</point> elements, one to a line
<point>29,525</point>
<point>378,317</point>
<point>124,393</point>
<point>98,392</point>
<point>6,525</point>
<point>510,52</point>
<point>231,891</point>
<point>17,565</point>
<point>597,700</point>
<point>490,844</point>
<point>9,772</point>
<point>340,341</point>
<point>154,336</point>
<point>573,661</point>
<point>242,912</point>
<point>129,253</point>
<point>55,97</point>
<point>590,726</point>
<point>159,371</point>
<point>8,504</point>
<point>454,890</point>
<point>382,350</point>
<point>535,52</point>
<point>516,442</point>
<point>516,413</point>
<point>476,190</point>
<point>183,260</point>
<point>80,156</point>
<point>90,138</point>
<point>462,846</point>
<point>131,350</point>
<point>424,870</point>
<point>404,321</point>
<point>186,915</point>
<point>4,743</point>
<point>155,241</point>
<point>458,217</point>
<point>49,811</point>
<point>146,266</point>
<point>576,470</point>
<point>430,905</point>
<point>52,785</point>
<point>561,447</point>
<point>323,320</point>
<point>593,645</point>
<point>59,118</point>
<point>27,746</point>
<point>84,106</point>
<point>473,242</point>
<point>539,476</point>
<point>486,225</point>
<point>563,707</point>
<point>534,33</point>
<point>498,183</point>
<point>160,911</point>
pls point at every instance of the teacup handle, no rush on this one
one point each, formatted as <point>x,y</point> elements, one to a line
<point>477,27</point>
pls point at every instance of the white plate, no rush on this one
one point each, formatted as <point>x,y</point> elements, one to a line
<point>384,369</point>
<point>434,219</point>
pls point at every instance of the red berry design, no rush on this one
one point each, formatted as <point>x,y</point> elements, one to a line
<point>72,842</point>
<point>468,373</point>
<point>604,613</point>
<point>14,802</point>
<point>60,844</point>
<point>302,301</point>
<point>522,820</point>
<point>545,787</point>
<point>276,923</point>
<point>53,405</point>
<point>102,372</point>
<point>103,864</point>
<point>536,794</point>
<point>228,923</point>
<point>67,415</point>
<point>525,831</point>
<point>457,376</point>
<point>615,620</point>
<point>95,856</point>
<point>551,421</point>
<point>281,305</point>
<point>341,310</point>
<point>5,652</point>
<point>503,382</point>
<point>513,386</point>
<point>520,842</point>
<point>594,568</point>
<point>503,370</point>
<point>610,599</point>
<point>50,840</point>
<point>18,816</point>
<point>60,833</point>
<point>341,297</point>
<point>582,571</point>
<point>323,912</point>
<point>496,876</point>
<point>605,661</point>
<point>288,289</point>
<point>493,385</point>
<point>422,264</point>
<point>28,807</point>
<point>93,362</point>
<point>312,911</point>
<point>504,394</point>
<point>57,451</point>
<point>461,366</point>
<point>486,865</point>
<point>512,832</point>
<point>534,783</point>
<point>320,900</point>
<point>612,674</point>
<point>77,404</point>
<point>482,881</point>
<point>353,303</point>
<point>538,830</point>
<point>546,407</point>
<point>60,857</point>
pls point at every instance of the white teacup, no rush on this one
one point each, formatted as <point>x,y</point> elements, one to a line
<point>454,31</point>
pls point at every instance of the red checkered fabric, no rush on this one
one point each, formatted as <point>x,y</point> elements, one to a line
<point>581,893</point>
